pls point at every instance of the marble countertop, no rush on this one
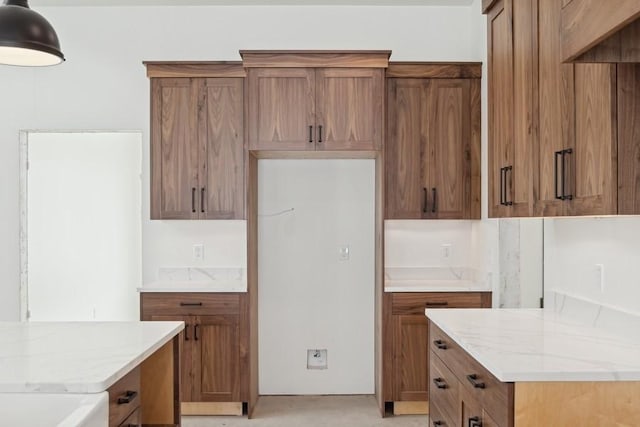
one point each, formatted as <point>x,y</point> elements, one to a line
<point>75,357</point>
<point>433,286</point>
<point>194,286</point>
<point>542,345</point>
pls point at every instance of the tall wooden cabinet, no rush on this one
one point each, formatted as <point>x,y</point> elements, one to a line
<point>432,151</point>
<point>295,104</point>
<point>197,142</point>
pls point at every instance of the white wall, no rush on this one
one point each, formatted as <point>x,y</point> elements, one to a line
<point>308,297</point>
<point>573,247</point>
<point>103,86</point>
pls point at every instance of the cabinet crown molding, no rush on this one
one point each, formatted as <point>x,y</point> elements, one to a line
<point>435,70</point>
<point>315,58</point>
<point>210,69</point>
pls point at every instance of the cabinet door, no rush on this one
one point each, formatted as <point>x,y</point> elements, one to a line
<point>411,358</point>
<point>174,148</point>
<point>405,156</point>
<point>187,357</point>
<point>449,151</point>
<point>350,108</point>
<point>473,414</point>
<point>217,359</point>
<point>222,144</point>
<point>591,172</point>
<point>282,109</point>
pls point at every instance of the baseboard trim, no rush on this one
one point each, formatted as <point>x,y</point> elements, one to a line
<point>411,408</point>
<point>211,408</point>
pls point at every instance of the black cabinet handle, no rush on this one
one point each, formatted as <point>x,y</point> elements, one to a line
<point>565,196</point>
<point>186,332</point>
<point>475,422</point>
<point>196,328</point>
<point>440,383</point>
<point>437,304</point>
<point>440,344</point>
<point>202,200</point>
<point>435,198</point>
<point>424,200</point>
<point>320,133</point>
<point>557,154</point>
<point>502,202</point>
<point>438,423</point>
<point>193,199</point>
<point>129,395</point>
<point>190,304</point>
<point>310,134</point>
<point>506,193</point>
<point>473,379</point>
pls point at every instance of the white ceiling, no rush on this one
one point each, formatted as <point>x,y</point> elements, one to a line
<point>36,3</point>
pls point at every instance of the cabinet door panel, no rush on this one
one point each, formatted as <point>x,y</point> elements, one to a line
<point>188,363</point>
<point>411,358</point>
<point>174,148</point>
<point>628,137</point>
<point>349,108</point>
<point>218,359</point>
<point>448,139</point>
<point>405,148</point>
<point>222,185</point>
<point>281,109</point>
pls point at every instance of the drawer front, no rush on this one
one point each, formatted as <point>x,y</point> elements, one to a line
<point>124,398</point>
<point>416,302</point>
<point>495,396</point>
<point>134,420</point>
<point>186,304</point>
<point>438,419</point>
<point>444,389</point>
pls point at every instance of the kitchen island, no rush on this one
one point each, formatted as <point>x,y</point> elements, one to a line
<point>136,363</point>
<point>531,368</point>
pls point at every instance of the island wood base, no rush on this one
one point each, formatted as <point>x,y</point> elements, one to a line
<point>160,386</point>
<point>591,403</point>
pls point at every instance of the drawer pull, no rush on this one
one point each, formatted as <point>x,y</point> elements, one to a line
<point>190,304</point>
<point>438,423</point>
<point>440,344</point>
<point>475,422</point>
<point>437,304</point>
<point>473,379</point>
<point>129,395</point>
<point>440,383</point>
<point>195,332</point>
<point>186,332</point>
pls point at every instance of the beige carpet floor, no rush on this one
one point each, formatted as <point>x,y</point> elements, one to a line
<point>311,411</point>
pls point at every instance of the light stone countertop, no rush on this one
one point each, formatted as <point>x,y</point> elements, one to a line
<point>541,345</point>
<point>434,286</point>
<point>75,357</point>
<point>194,286</point>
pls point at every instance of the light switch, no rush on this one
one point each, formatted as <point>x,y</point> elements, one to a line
<point>198,251</point>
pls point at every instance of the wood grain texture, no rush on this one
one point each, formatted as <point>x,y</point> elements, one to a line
<point>388,353</point>
<point>411,408</point>
<point>217,359</point>
<point>437,417</point>
<point>379,294</point>
<point>487,4</point>
<point>129,383</point>
<point>244,349</point>
<point>159,386</point>
<point>556,108</point>
<point>252,279</point>
<point>417,302</point>
<point>592,167</point>
<point>585,23</point>
<point>314,59</point>
<point>621,47</point>
<point>174,153</point>
<point>475,150</point>
<point>225,69</point>
<point>472,410</point>
<point>221,190</point>
<point>411,358</point>
<point>444,390</point>
<point>628,139</point>
<point>588,404</point>
<point>349,108</point>
<point>282,108</point>
<point>189,303</point>
<point>212,408</point>
<point>434,70</point>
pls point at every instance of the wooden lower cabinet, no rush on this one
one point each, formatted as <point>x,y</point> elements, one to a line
<point>406,342</point>
<point>211,378</point>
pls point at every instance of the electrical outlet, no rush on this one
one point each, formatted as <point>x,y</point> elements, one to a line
<point>599,273</point>
<point>343,252</point>
<point>198,251</point>
<point>317,359</point>
<point>446,250</point>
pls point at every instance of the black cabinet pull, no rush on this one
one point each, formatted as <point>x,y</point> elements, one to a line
<point>557,154</point>
<point>202,200</point>
<point>186,332</point>
<point>424,200</point>
<point>475,422</point>
<point>129,395</point>
<point>196,328</point>
<point>440,344</point>
<point>502,187</point>
<point>438,423</point>
<point>435,198</point>
<point>473,379</point>
<point>310,134</point>
<point>193,199</point>
<point>506,193</point>
<point>320,133</point>
<point>190,304</point>
<point>440,383</point>
<point>565,196</point>
<point>437,304</point>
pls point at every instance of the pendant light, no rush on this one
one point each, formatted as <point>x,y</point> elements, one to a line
<point>26,37</point>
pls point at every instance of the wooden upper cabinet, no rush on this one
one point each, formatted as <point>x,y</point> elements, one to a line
<point>197,143</point>
<point>306,100</point>
<point>282,109</point>
<point>433,148</point>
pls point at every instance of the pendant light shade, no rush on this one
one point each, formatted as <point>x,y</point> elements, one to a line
<point>26,37</point>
